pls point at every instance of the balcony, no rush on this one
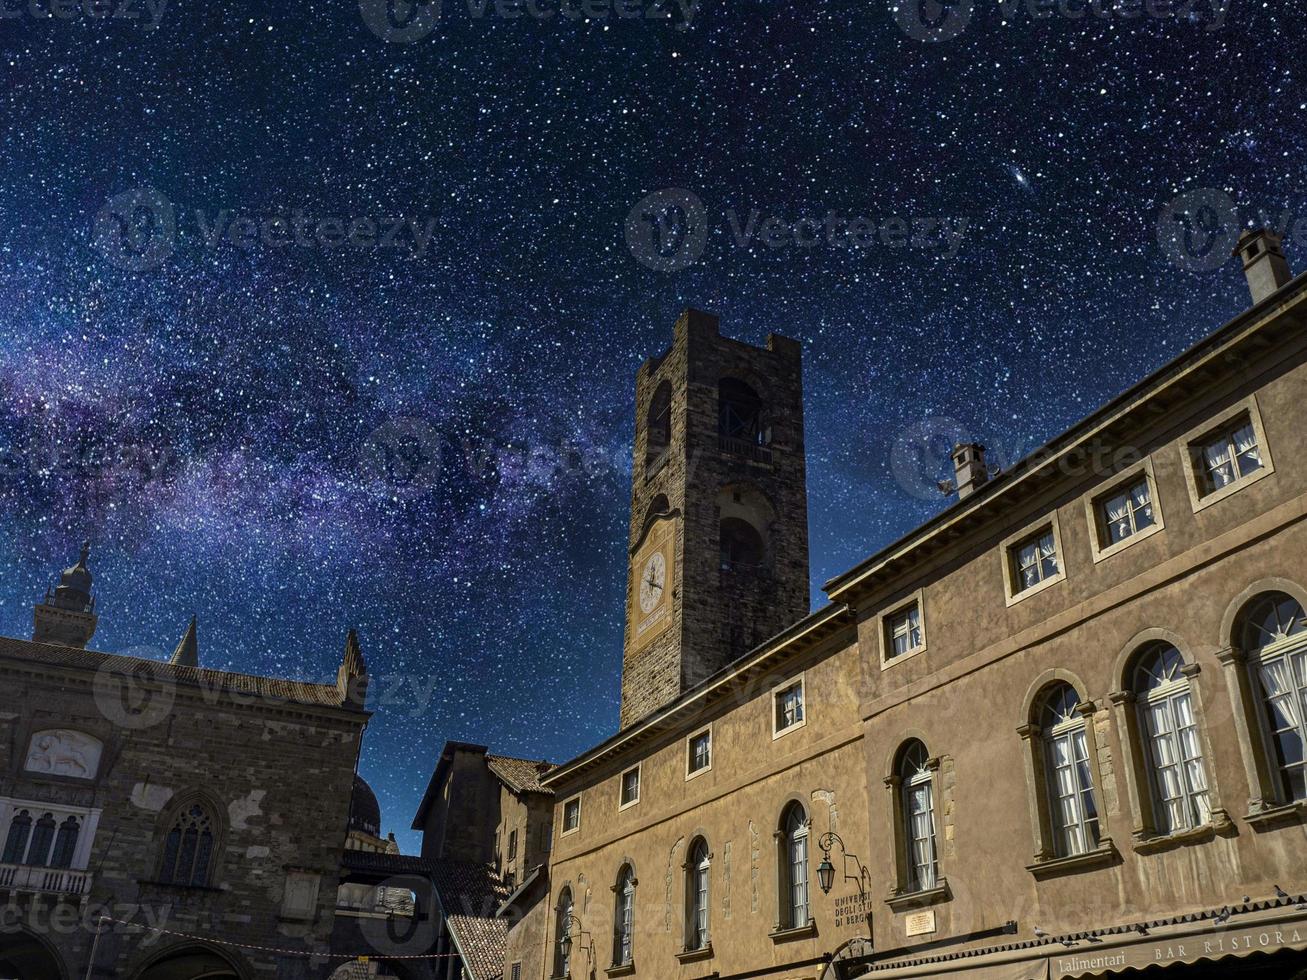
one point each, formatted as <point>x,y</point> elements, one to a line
<point>49,881</point>
<point>745,449</point>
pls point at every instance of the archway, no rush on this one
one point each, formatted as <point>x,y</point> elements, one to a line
<point>193,962</point>
<point>24,956</point>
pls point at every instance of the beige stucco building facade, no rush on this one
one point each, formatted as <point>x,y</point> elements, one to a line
<point>1057,731</point>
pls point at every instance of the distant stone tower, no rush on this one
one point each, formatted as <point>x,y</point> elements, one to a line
<point>67,616</point>
<point>719,509</point>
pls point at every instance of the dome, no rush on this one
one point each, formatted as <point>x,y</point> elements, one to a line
<point>364,810</point>
<point>74,588</point>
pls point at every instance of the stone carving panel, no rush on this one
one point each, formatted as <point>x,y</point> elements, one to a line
<point>64,752</point>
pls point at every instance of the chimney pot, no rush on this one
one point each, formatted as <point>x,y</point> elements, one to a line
<point>969,468</point>
<point>1264,263</point>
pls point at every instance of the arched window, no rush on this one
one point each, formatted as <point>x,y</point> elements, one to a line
<point>794,867</point>
<point>65,844</point>
<point>624,917</point>
<point>42,840</point>
<point>742,547</point>
<point>741,426</point>
<point>916,781</point>
<point>658,424</point>
<point>697,876</point>
<point>188,848</point>
<point>1275,640</point>
<point>563,934</point>
<point>20,830</point>
<point>1073,812</point>
<point>1172,750</point>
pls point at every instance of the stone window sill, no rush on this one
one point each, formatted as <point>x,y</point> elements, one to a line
<point>621,969</point>
<point>904,901</point>
<point>1101,856</point>
<point>1153,843</point>
<point>695,955</point>
<point>1277,813</point>
<point>788,933</point>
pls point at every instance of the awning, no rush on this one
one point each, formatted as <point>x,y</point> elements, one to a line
<point>1182,940</point>
<point>1265,931</point>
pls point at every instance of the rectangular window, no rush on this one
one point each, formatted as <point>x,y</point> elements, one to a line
<point>516,972</point>
<point>1034,561</point>
<point>1125,513</point>
<point>699,753</point>
<point>572,815</point>
<point>1226,457</point>
<point>788,707</point>
<point>512,845</point>
<point>903,631</point>
<point>630,787</point>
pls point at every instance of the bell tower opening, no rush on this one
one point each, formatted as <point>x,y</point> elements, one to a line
<point>719,513</point>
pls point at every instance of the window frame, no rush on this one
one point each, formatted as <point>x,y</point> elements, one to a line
<point>689,752</point>
<point>1165,697</point>
<point>624,916</point>
<point>88,819</point>
<point>698,872</point>
<point>884,624</point>
<point>799,680</point>
<point>621,786</point>
<point>915,881</point>
<point>786,888</point>
<point>1008,558</point>
<point>1095,502</point>
<point>1191,443</point>
<point>564,830</point>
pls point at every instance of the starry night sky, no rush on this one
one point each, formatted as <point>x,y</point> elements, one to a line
<point>292,439</point>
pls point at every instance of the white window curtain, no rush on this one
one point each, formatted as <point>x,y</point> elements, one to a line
<point>1247,455</point>
<point>1284,683</point>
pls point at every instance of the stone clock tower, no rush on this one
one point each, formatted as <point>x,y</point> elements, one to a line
<point>719,509</point>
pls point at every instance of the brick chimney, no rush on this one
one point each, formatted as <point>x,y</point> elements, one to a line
<point>1263,262</point>
<point>969,468</point>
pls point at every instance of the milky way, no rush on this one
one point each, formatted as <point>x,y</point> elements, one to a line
<point>368,359</point>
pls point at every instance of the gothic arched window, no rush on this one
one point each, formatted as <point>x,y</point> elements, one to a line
<point>1173,754</point>
<point>624,936</point>
<point>188,848</point>
<point>1073,811</point>
<point>1275,640</point>
<point>20,830</point>
<point>65,843</point>
<point>42,840</point>
<point>697,871</point>
<point>794,867</point>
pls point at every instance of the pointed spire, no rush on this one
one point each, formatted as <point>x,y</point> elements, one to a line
<point>352,677</point>
<point>187,653</point>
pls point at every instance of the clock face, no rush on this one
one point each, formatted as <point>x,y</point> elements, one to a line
<point>653,582</point>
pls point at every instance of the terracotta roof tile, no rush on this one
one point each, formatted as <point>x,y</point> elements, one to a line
<point>521,775</point>
<point>470,894</point>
